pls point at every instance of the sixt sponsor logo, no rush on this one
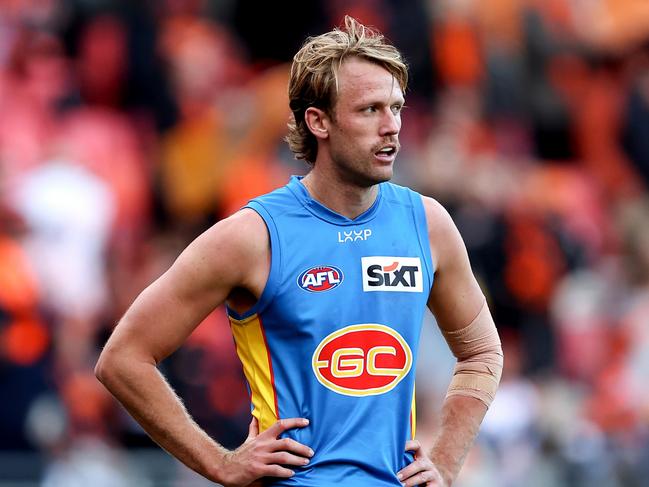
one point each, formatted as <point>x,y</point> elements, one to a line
<point>320,278</point>
<point>392,274</point>
<point>362,360</point>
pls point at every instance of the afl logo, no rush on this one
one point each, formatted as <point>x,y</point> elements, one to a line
<point>362,360</point>
<point>319,279</point>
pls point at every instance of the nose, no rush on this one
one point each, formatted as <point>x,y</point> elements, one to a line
<point>390,124</point>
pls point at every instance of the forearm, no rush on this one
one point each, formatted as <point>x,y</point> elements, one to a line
<point>460,421</point>
<point>146,395</point>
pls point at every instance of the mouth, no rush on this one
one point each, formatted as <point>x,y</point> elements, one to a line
<point>387,153</point>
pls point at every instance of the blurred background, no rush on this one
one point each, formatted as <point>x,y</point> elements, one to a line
<point>127,128</point>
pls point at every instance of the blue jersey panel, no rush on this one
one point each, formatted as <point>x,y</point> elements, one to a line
<point>342,313</point>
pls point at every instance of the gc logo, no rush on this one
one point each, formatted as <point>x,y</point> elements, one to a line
<point>362,360</point>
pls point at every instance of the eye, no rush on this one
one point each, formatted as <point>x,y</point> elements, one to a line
<point>396,108</point>
<point>370,109</point>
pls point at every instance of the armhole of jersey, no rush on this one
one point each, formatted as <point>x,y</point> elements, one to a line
<point>275,260</point>
<point>422,233</point>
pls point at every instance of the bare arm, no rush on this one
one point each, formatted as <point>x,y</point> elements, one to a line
<point>457,302</point>
<point>225,257</point>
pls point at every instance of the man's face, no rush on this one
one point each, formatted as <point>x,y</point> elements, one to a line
<point>364,127</point>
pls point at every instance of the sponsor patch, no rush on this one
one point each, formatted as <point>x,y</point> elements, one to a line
<point>401,274</point>
<point>354,235</point>
<point>362,360</point>
<point>321,278</point>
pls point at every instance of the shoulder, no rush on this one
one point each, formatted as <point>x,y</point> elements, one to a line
<point>240,225</point>
<point>437,216</point>
<point>444,237</point>
<point>244,232</point>
<point>231,248</point>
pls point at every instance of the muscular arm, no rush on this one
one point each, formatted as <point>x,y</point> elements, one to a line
<point>225,257</point>
<point>457,301</point>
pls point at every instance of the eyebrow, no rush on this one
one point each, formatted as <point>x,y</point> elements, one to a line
<point>359,102</point>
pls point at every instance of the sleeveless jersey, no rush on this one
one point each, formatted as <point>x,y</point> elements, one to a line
<point>334,335</point>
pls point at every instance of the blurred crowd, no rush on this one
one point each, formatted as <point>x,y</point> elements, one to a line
<point>127,128</point>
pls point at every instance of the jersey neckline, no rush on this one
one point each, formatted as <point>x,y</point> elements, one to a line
<point>321,211</point>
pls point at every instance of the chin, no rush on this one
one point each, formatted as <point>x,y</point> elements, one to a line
<point>365,180</point>
<point>385,174</point>
<point>368,173</point>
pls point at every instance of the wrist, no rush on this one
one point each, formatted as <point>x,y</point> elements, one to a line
<point>219,469</point>
<point>446,477</point>
<point>442,468</point>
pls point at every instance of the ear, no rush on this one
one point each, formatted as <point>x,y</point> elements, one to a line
<point>317,121</point>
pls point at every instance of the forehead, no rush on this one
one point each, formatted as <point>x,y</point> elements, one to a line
<point>360,80</point>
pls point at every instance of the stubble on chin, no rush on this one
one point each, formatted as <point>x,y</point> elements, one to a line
<point>368,176</point>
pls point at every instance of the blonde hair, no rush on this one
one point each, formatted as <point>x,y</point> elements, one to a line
<point>314,76</point>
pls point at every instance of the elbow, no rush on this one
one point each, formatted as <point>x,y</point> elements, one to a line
<point>103,367</point>
<point>117,365</point>
<point>110,366</point>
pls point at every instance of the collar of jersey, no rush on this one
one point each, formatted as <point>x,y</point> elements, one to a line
<point>324,213</point>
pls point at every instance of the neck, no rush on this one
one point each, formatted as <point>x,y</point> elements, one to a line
<point>343,197</point>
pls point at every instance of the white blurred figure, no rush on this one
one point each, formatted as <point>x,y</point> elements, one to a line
<point>581,310</point>
<point>69,213</point>
<point>90,462</point>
